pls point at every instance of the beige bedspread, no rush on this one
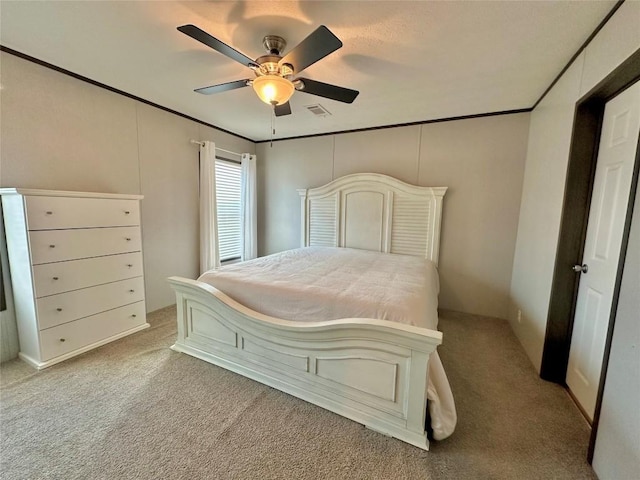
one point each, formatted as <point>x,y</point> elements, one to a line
<point>322,283</point>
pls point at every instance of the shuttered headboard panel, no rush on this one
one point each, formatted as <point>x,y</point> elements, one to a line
<point>373,212</point>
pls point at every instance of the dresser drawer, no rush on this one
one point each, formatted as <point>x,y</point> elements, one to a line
<point>59,245</point>
<point>53,278</point>
<point>81,333</point>
<point>65,307</point>
<point>50,213</point>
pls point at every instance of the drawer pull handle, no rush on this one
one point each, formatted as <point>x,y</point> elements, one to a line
<point>52,246</point>
<point>129,265</point>
<point>49,213</point>
<point>62,339</point>
<point>131,291</point>
<point>55,278</point>
<point>127,212</point>
<point>128,239</point>
<point>134,315</point>
<point>59,309</point>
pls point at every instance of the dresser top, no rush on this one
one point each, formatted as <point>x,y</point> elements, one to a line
<point>59,193</point>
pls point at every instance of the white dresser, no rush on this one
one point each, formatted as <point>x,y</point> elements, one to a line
<point>76,270</point>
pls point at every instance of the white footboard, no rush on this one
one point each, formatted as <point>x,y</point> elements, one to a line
<point>371,371</point>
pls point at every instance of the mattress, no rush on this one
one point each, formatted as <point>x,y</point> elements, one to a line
<point>324,283</point>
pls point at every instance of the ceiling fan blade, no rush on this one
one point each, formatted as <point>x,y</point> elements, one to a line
<point>223,87</point>
<point>320,43</point>
<point>203,37</point>
<point>326,90</point>
<point>284,109</point>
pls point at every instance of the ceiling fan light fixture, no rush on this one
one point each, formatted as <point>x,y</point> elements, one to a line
<point>273,89</point>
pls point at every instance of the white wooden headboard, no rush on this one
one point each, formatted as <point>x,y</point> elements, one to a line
<point>373,212</point>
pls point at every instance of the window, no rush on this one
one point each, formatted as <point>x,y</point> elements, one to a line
<point>228,176</point>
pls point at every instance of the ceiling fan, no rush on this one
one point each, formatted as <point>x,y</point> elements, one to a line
<point>276,76</point>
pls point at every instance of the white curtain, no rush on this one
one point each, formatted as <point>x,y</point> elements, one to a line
<point>248,208</point>
<point>209,257</point>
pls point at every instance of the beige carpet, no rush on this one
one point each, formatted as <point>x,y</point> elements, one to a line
<point>135,409</point>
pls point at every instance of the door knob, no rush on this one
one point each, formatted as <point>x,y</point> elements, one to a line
<point>581,268</point>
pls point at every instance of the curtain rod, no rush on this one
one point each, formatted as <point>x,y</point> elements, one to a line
<point>196,142</point>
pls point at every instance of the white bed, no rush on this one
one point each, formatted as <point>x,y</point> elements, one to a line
<point>349,329</point>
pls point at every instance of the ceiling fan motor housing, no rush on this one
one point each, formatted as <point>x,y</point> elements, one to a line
<point>269,66</point>
<point>274,44</point>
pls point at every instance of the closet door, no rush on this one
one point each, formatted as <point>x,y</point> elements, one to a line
<point>598,270</point>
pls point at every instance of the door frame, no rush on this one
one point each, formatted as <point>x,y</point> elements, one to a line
<point>583,156</point>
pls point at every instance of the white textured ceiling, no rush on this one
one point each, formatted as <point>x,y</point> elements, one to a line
<point>411,61</point>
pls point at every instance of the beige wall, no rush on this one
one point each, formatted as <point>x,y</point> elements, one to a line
<point>60,133</point>
<point>282,169</point>
<point>169,183</point>
<point>545,175</point>
<point>481,161</point>
<point>394,152</point>
<point>63,134</point>
<point>542,197</point>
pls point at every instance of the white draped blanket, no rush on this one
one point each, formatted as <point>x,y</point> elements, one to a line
<point>322,283</point>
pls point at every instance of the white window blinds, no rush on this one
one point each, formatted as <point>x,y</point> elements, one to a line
<point>228,182</point>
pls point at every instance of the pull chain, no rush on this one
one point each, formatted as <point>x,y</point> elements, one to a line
<point>273,120</point>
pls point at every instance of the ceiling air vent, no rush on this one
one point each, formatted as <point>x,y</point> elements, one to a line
<point>318,110</point>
